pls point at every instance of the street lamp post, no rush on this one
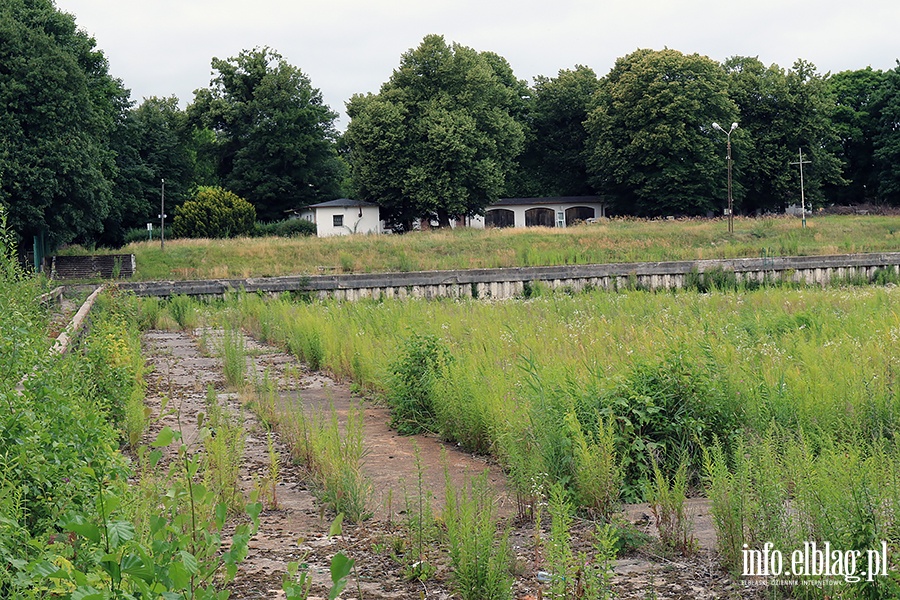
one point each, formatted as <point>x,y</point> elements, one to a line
<point>728,133</point>
<point>802,196</point>
<point>162,216</point>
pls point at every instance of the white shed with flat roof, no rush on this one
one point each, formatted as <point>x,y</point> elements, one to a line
<point>343,217</point>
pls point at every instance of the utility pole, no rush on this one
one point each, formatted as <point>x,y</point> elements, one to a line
<point>802,162</point>
<point>728,133</point>
<point>162,216</point>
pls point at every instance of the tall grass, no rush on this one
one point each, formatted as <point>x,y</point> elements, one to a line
<point>667,503</point>
<point>183,310</point>
<point>667,372</point>
<point>234,356</point>
<point>223,444</point>
<point>787,490</point>
<point>560,556</point>
<point>420,524</point>
<point>479,557</point>
<point>337,457</point>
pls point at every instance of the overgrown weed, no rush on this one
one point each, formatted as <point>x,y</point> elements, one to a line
<point>223,451</point>
<point>480,557</point>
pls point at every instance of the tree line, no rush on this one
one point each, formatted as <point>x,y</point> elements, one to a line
<point>450,131</point>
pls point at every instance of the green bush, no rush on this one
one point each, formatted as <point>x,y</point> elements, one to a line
<point>421,364</point>
<point>214,212</point>
<point>295,227</point>
<point>286,228</point>
<point>665,412</point>
<point>140,234</point>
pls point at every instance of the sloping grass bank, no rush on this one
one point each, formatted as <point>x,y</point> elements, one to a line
<point>611,241</point>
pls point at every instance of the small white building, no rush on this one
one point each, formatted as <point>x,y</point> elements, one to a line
<point>562,211</point>
<point>343,217</point>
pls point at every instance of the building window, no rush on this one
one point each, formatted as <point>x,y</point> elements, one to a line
<point>338,220</point>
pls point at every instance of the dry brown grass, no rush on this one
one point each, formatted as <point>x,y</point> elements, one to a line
<point>625,240</point>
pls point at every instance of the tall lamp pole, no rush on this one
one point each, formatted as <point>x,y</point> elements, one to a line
<point>162,216</point>
<point>802,196</point>
<point>728,133</point>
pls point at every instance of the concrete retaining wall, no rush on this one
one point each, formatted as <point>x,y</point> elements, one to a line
<point>506,283</point>
<point>107,266</point>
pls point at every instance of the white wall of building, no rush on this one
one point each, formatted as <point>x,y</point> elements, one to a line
<point>345,220</point>
<point>519,211</point>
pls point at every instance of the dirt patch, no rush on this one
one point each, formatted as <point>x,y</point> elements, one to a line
<point>297,529</point>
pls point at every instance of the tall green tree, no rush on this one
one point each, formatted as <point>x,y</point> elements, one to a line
<point>553,163</point>
<point>58,109</point>
<point>152,142</point>
<point>128,207</point>
<point>171,149</point>
<point>856,121</point>
<point>441,136</point>
<point>274,135</point>
<point>651,146</point>
<point>887,139</point>
<point>783,112</point>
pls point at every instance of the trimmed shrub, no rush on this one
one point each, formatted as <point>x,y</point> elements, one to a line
<point>214,212</point>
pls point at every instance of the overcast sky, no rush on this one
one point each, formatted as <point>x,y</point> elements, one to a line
<point>164,47</point>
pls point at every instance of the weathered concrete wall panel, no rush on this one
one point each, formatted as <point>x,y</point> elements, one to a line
<point>505,283</point>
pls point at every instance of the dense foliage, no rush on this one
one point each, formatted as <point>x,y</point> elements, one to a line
<point>781,112</point>
<point>214,212</point>
<point>77,518</point>
<point>553,162</point>
<point>152,143</point>
<point>286,228</point>
<point>58,110</point>
<point>652,145</point>
<point>887,138</point>
<point>274,137</point>
<point>450,131</point>
<point>440,139</point>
